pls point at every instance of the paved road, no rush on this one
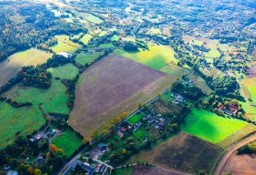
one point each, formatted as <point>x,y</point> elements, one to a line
<point>231,151</point>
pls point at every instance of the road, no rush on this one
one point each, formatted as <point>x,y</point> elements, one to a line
<point>72,162</point>
<point>231,151</point>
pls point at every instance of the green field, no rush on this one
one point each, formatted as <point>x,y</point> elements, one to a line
<point>106,46</point>
<point>87,58</point>
<point>68,71</point>
<point>115,38</point>
<point>53,99</point>
<point>156,57</point>
<point>69,141</point>
<point>123,171</point>
<point>135,118</point>
<point>211,127</point>
<point>25,119</point>
<point>93,19</point>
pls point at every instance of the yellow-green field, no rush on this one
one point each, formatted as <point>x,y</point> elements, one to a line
<point>65,45</point>
<point>25,120</point>
<point>249,90</point>
<point>15,62</point>
<point>86,39</point>
<point>103,33</point>
<point>156,57</point>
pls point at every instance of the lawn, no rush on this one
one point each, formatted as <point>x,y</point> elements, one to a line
<point>87,58</point>
<point>53,99</point>
<point>25,119</point>
<point>86,39</point>
<point>141,134</point>
<point>135,118</point>
<point>69,142</point>
<point>156,57</point>
<point>65,45</point>
<point>68,71</point>
<point>211,127</point>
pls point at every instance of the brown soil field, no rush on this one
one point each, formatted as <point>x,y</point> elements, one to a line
<point>183,153</point>
<point>142,170</point>
<point>241,165</point>
<point>112,86</point>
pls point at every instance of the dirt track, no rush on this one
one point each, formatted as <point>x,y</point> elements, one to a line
<point>231,152</point>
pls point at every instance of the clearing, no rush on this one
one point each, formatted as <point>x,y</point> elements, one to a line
<point>112,86</point>
<point>15,62</point>
<point>211,127</point>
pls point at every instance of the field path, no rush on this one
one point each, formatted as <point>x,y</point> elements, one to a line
<point>231,151</point>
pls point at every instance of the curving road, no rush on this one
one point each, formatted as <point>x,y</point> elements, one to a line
<point>231,150</point>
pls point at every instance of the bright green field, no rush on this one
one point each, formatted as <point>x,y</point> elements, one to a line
<point>211,127</point>
<point>135,118</point>
<point>87,58</point>
<point>69,142</point>
<point>68,71</point>
<point>54,99</point>
<point>156,57</point>
<point>25,119</point>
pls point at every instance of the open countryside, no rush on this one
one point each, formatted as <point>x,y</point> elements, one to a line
<point>127,87</point>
